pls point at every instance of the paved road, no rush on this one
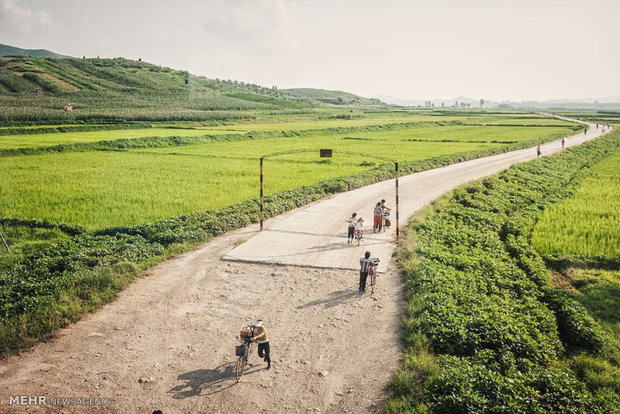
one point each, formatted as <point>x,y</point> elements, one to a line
<point>315,235</point>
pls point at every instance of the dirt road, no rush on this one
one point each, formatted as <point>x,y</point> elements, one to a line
<point>333,349</point>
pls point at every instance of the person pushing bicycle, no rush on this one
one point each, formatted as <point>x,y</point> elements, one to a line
<point>365,265</point>
<point>260,336</point>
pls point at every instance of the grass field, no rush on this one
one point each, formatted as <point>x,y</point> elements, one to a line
<point>277,125</point>
<point>587,225</point>
<point>44,140</point>
<point>97,189</point>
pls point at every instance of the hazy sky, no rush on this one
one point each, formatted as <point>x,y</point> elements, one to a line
<point>522,49</point>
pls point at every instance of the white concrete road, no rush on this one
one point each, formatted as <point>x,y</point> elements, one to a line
<point>315,235</point>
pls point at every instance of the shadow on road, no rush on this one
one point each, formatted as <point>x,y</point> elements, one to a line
<point>208,381</point>
<point>335,298</point>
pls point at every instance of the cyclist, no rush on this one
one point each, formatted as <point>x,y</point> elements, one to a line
<point>352,222</point>
<point>260,336</point>
<point>538,151</point>
<point>376,225</point>
<point>365,265</point>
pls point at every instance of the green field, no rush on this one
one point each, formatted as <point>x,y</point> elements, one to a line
<point>586,225</point>
<point>99,189</point>
<point>44,140</point>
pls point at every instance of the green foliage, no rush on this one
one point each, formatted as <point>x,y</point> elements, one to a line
<point>585,226</point>
<point>479,299</point>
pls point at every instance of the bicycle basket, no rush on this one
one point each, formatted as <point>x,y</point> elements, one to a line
<point>240,350</point>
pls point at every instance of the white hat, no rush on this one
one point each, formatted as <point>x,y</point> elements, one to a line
<point>259,323</point>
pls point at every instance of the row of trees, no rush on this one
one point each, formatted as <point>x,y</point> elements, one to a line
<point>457,104</point>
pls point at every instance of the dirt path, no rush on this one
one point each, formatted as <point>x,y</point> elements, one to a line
<point>176,325</point>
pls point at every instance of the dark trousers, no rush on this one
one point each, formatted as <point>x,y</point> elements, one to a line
<point>263,352</point>
<point>363,277</point>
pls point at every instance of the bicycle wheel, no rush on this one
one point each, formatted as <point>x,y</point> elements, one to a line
<point>240,366</point>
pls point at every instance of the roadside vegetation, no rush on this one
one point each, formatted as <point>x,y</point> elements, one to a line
<point>486,328</point>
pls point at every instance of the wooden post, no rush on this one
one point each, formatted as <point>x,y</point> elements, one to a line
<point>396,176</point>
<point>5,243</point>
<point>261,193</point>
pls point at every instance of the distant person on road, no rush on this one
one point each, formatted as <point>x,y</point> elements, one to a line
<point>538,151</point>
<point>365,265</point>
<point>563,142</point>
<point>352,222</point>
<point>260,336</point>
<point>378,216</point>
<point>585,131</point>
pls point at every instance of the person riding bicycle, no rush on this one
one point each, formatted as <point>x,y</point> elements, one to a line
<point>376,225</point>
<point>260,336</point>
<point>352,222</point>
<point>538,151</point>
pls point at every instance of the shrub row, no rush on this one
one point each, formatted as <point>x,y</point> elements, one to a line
<point>73,128</point>
<point>479,300</point>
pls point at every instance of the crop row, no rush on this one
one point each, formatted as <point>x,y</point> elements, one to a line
<point>484,330</point>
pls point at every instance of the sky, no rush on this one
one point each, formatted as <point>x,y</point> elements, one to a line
<point>425,49</point>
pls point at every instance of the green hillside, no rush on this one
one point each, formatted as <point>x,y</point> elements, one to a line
<point>98,90</point>
<point>36,90</point>
<point>6,50</point>
<point>330,97</point>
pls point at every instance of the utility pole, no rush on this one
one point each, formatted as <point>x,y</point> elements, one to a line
<point>5,243</point>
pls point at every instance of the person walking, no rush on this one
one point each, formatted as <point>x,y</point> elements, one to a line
<point>365,265</point>
<point>563,142</point>
<point>538,151</point>
<point>260,336</point>
<point>351,232</point>
<point>376,226</point>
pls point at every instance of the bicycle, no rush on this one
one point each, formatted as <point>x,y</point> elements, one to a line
<point>243,353</point>
<point>386,219</point>
<point>358,236</point>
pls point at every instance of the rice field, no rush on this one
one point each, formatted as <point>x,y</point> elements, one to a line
<point>586,225</point>
<point>99,189</point>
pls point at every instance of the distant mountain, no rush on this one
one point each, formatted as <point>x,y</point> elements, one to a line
<point>6,50</point>
<point>329,97</point>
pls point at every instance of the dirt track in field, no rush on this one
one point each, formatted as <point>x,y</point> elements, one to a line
<point>176,327</point>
